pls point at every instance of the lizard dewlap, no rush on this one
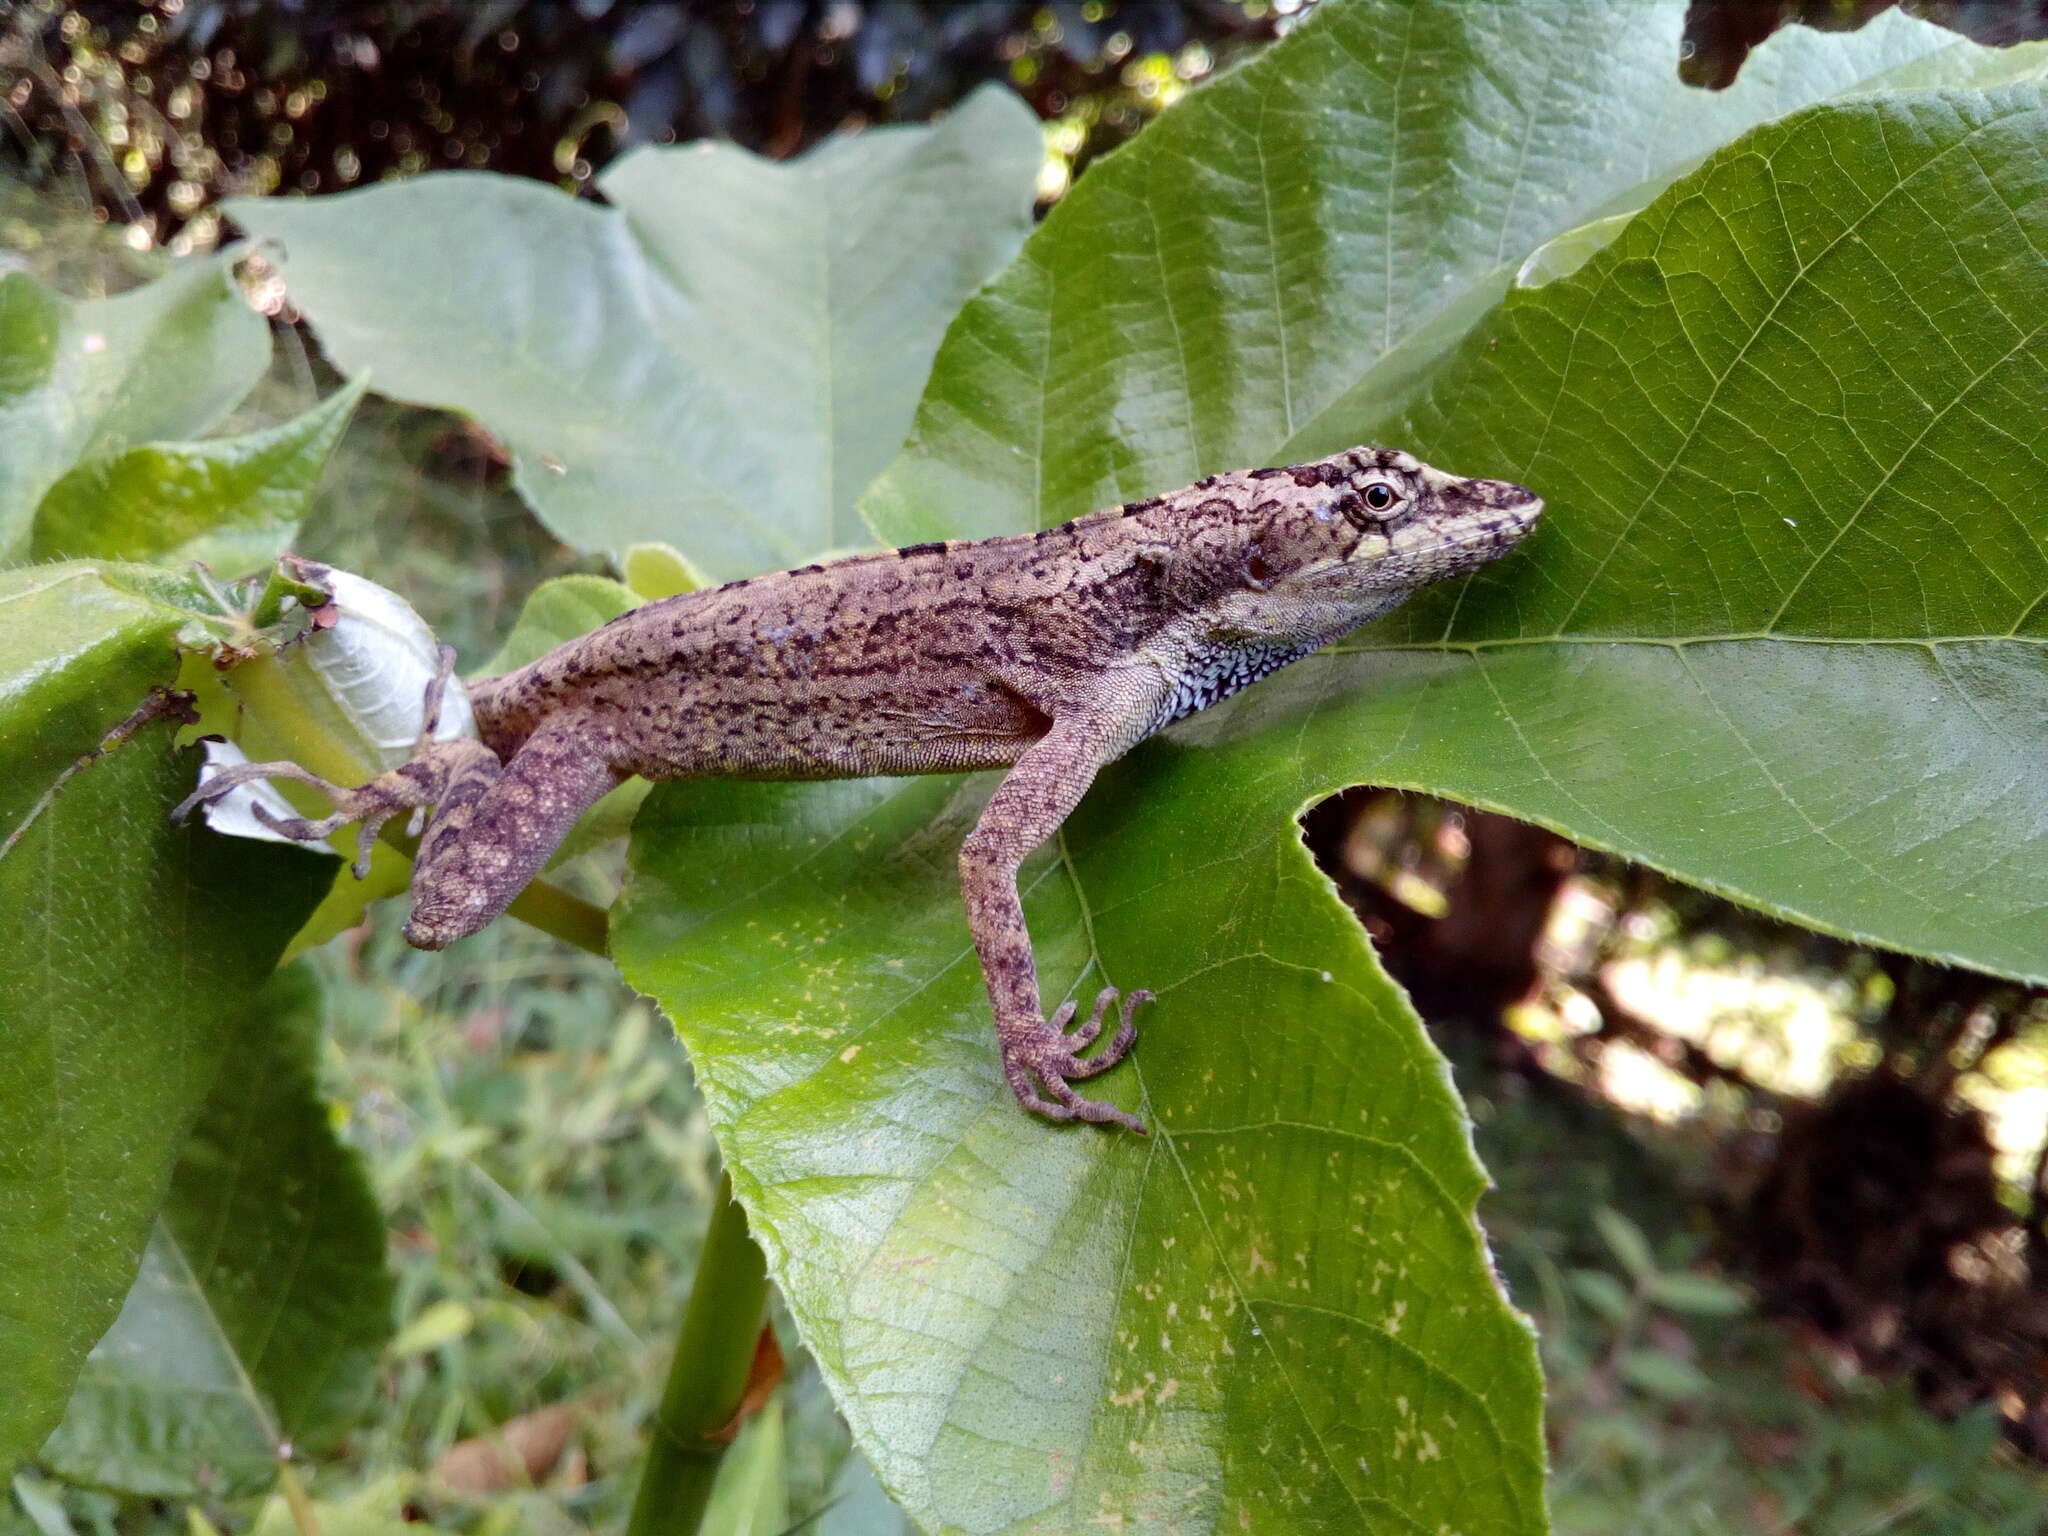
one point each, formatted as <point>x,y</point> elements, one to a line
<point>1047,654</point>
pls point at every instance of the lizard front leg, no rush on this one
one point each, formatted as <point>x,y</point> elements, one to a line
<point>491,836</point>
<point>1045,784</point>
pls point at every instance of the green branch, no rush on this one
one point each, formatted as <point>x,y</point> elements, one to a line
<point>707,1378</point>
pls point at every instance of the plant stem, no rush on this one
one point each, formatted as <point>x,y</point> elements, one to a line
<point>707,1377</point>
<point>569,918</point>
<point>304,1520</point>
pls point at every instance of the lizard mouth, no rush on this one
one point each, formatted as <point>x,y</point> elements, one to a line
<point>1505,496</point>
<point>1490,518</point>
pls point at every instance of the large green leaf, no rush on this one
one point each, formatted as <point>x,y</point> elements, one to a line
<point>232,503</point>
<point>721,359</point>
<point>1278,1302</point>
<point>263,1298</point>
<point>83,644</point>
<point>1756,402</point>
<point>126,947</point>
<point>78,380</point>
<point>556,611</point>
<point>1302,239</point>
<point>77,653</point>
<point>1783,630</point>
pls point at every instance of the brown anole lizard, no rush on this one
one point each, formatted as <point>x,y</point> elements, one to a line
<point>1048,654</point>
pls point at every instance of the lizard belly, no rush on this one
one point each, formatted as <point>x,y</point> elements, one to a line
<point>828,732</point>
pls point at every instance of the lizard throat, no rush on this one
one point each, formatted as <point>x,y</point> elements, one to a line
<point>1221,668</point>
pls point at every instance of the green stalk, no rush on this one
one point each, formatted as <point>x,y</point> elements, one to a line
<point>569,918</point>
<point>706,1378</point>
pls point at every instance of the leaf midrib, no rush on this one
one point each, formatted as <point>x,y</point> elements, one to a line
<point>264,1421</point>
<point>1672,642</point>
<point>1163,1137</point>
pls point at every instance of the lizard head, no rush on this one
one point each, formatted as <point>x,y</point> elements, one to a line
<point>1337,541</point>
<point>1398,522</point>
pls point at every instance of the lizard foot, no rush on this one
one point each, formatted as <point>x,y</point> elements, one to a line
<point>435,768</point>
<point>423,781</point>
<point>1048,1053</point>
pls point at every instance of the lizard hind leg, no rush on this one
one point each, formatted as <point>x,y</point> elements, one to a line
<point>1079,1039</point>
<point>436,770</point>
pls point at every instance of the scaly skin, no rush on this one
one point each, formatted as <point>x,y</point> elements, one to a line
<point>1049,654</point>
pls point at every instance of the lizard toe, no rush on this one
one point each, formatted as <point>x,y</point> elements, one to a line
<point>1077,1066</point>
<point>1046,1056</point>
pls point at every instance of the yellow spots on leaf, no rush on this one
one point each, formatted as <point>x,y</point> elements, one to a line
<point>849,1053</point>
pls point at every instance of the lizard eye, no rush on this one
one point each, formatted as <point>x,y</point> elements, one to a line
<point>1379,496</point>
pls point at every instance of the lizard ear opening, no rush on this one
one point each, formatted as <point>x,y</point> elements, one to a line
<point>1258,574</point>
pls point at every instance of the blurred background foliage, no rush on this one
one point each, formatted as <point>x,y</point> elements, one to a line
<point>151,114</point>
<point>1779,1204</point>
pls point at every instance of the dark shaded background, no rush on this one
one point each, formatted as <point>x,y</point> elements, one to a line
<point>151,112</point>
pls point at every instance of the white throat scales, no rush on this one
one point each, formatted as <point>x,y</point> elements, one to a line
<point>1220,668</point>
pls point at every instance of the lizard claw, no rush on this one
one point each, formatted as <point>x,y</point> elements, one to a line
<point>217,784</point>
<point>424,779</point>
<point>1048,1053</point>
<point>371,804</point>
